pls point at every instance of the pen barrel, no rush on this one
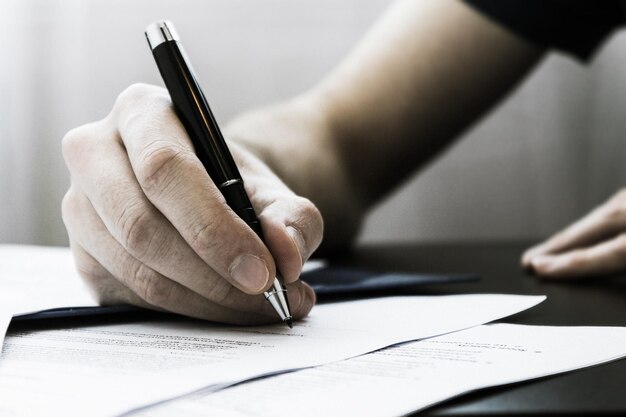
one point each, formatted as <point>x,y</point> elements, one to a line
<point>194,112</point>
<point>238,200</point>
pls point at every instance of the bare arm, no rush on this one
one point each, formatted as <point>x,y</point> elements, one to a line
<point>424,73</point>
<point>147,226</point>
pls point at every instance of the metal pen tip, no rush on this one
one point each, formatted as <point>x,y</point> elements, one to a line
<point>277,297</point>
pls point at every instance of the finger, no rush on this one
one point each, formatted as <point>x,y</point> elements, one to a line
<point>293,230</point>
<point>88,230</point>
<point>176,183</point>
<point>158,291</point>
<point>602,259</point>
<point>292,225</point>
<point>104,288</point>
<point>102,170</point>
<point>594,227</point>
<point>107,290</point>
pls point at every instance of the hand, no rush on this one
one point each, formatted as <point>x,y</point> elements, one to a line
<point>147,225</point>
<point>595,245</point>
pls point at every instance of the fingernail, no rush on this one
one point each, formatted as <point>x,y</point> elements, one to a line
<point>298,240</point>
<point>250,272</point>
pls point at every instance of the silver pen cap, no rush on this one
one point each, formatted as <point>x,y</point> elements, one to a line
<point>159,32</point>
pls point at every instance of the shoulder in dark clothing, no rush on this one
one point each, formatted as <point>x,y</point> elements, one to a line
<point>577,27</point>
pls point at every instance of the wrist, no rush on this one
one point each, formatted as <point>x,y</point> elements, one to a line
<point>295,140</point>
<point>285,136</point>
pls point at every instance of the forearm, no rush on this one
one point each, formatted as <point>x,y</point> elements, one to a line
<point>423,74</point>
<point>295,140</point>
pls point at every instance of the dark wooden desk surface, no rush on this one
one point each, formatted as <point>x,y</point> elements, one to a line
<point>600,302</point>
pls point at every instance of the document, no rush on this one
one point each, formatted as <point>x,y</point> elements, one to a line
<point>34,278</point>
<point>402,379</point>
<point>106,370</point>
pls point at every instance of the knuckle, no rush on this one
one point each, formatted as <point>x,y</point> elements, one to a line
<point>615,213</point>
<point>69,206</point>
<point>79,144</point>
<point>576,260</point>
<point>223,295</point>
<point>159,165</point>
<point>310,221</point>
<point>134,93</point>
<point>72,144</point>
<point>151,287</point>
<point>137,229</point>
<point>136,101</point>
<point>305,207</point>
<point>203,241</point>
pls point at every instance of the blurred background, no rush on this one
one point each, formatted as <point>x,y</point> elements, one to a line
<point>551,152</point>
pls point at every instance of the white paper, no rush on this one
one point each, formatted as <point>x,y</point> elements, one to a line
<point>35,278</point>
<point>406,378</point>
<point>104,370</point>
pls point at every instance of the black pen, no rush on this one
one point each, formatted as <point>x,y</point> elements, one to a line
<point>194,113</point>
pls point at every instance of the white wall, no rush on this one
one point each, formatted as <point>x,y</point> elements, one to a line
<point>542,159</point>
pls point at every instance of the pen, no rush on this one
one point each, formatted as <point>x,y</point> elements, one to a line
<point>196,116</point>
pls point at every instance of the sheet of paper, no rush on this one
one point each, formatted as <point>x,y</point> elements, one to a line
<point>108,369</point>
<point>34,278</point>
<point>406,378</point>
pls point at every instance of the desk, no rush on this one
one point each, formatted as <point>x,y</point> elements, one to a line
<point>601,389</point>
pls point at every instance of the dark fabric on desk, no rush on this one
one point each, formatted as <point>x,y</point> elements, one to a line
<point>328,281</point>
<point>577,27</point>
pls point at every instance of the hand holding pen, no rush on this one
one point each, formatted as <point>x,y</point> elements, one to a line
<point>211,148</point>
<point>148,225</point>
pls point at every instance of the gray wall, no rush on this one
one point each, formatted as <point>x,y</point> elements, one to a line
<point>546,156</point>
<point>550,153</point>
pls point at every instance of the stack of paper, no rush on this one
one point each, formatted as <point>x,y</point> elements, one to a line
<point>124,366</point>
<point>406,378</point>
<point>108,370</point>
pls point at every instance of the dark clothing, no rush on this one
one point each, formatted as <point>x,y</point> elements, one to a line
<point>577,27</point>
